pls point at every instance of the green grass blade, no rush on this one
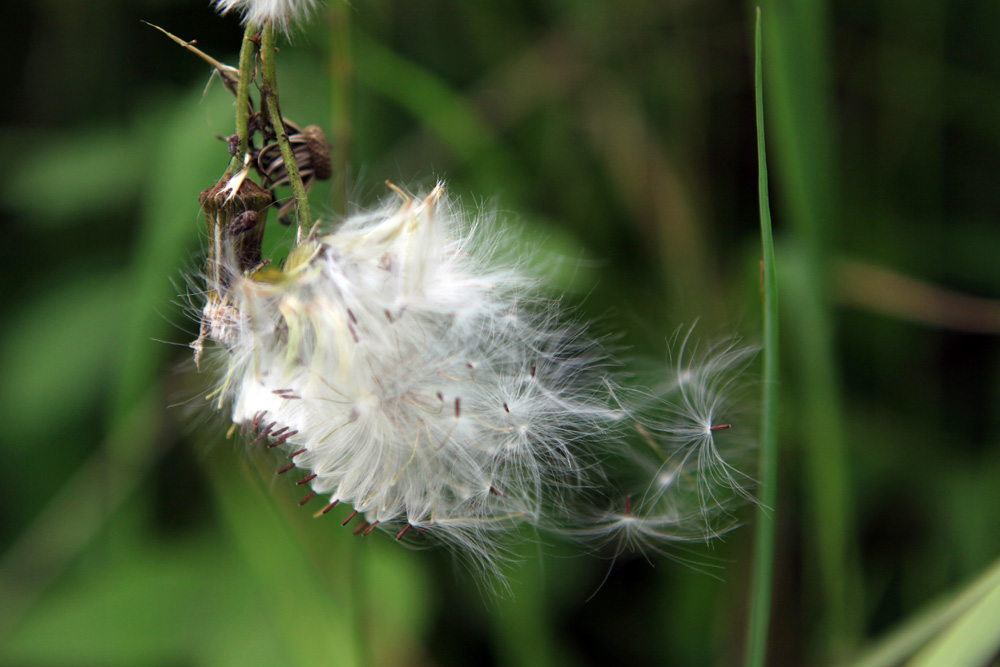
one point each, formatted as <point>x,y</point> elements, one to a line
<point>971,613</point>
<point>763,568</point>
<point>972,640</point>
<point>801,106</point>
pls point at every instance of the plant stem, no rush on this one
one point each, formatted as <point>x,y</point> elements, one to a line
<point>760,601</point>
<point>800,102</point>
<point>269,99</point>
<point>243,102</point>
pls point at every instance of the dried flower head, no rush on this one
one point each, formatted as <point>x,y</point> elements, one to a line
<point>257,12</point>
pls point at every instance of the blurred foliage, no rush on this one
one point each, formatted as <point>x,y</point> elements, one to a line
<point>621,133</point>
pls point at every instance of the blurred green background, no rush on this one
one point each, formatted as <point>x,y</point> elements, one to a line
<point>620,137</point>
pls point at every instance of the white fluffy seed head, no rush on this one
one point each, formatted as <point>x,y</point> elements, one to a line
<point>409,368</point>
<point>421,379</point>
<point>285,13</point>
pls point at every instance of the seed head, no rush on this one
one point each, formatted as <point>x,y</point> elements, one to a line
<point>415,375</point>
<point>409,368</point>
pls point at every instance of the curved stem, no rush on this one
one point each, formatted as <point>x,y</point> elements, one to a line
<point>269,98</point>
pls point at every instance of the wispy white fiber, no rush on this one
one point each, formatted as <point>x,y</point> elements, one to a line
<point>422,380</point>
<point>693,432</point>
<point>407,367</point>
<point>257,12</point>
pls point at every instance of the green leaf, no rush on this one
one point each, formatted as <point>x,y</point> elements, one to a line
<point>973,639</point>
<point>960,629</point>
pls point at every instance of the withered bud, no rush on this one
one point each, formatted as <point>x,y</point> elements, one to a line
<point>243,223</point>
<point>237,220</point>
<point>319,152</point>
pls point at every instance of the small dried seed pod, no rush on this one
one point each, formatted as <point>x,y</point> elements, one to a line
<point>319,152</point>
<point>235,221</point>
<point>235,212</point>
<point>312,157</point>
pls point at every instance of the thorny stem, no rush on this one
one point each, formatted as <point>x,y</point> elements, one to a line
<point>269,100</point>
<point>243,101</point>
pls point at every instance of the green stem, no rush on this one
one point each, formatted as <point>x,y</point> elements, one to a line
<point>760,610</point>
<point>800,103</point>
<point>269,98</point>
<point>243,101</point>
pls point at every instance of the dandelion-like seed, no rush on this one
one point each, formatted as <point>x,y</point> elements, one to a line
<point>412,374</point>
<point>692,482</point>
